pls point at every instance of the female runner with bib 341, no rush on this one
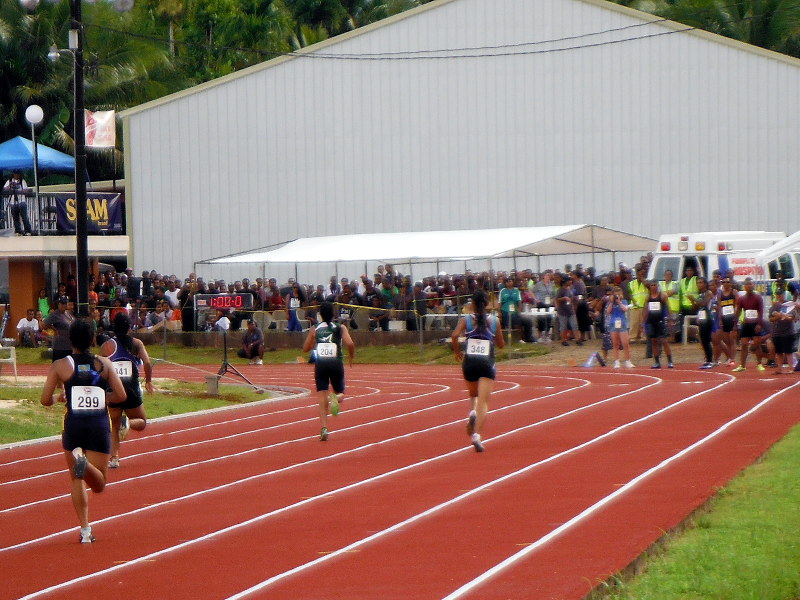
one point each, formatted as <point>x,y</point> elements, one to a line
<point>483,333</point>
<point>86,437</point>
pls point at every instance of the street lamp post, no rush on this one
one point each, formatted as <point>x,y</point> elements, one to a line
<point>34,115</point>
<point>79,136</point>
<point>81,213</point>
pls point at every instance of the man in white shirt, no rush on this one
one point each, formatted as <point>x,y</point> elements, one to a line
<point>14,192</point>
<point>27,329</point>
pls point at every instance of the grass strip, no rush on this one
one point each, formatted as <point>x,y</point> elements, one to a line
<point>744,546</point>
<point>27,419</point>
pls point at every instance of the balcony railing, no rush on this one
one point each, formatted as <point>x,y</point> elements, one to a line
<point>53,213</point>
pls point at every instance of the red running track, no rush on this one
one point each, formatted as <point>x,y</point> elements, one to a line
<point>584,469</point>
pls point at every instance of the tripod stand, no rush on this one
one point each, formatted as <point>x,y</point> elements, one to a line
<point>226,366</point>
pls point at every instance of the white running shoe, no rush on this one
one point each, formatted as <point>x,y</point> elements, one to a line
<point>476,441</point>
<point>259,362</point>
<point>113,463</point>
<point>86,536</point>
<point>616,364</point>
<point>628,364</point>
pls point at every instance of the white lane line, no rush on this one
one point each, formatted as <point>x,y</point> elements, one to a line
<point>599,504</point>
<point>363,482</point>
<point>305,463</point>
<point>211,440</point>
<point>187,465</point>
<point>439,507</point>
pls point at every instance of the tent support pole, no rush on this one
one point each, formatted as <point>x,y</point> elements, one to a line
<point>593,257</point>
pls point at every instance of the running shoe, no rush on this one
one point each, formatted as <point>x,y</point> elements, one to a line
<point>334,401</point>
<point>113,463</point>
<point>79,468</point>
<point>599,359</point>
<point>616,364</point>
<point>731,363</point>
<point>323,435</point>
<point>656,366</point>
<point>760,367</point>
<point>259,361</point>
<point>739,369</point>
<point>124,427</point>
<point>670,365</point>
<point>707,365</point>
<point>87,538</point>
<point>628,364</point>
<point>471,423</point>
<point>476,441</point>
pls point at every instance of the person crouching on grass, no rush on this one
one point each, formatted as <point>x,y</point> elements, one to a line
<point>86,434</point>
<point>328,337</point>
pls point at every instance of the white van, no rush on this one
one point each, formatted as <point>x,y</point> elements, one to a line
<point>708,251</point>
<point>783,256</point>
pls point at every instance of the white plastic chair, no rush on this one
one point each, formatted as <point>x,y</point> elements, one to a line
<point>11,359</point>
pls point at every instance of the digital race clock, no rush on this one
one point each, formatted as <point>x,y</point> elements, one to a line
<point>223,301</point>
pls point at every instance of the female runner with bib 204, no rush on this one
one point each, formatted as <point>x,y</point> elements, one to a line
<point>483,333</point>
<point>86,436</point>
<point>129,357</point>
<point>328,366</point>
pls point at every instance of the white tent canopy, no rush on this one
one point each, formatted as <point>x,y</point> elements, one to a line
<point>434,246</point>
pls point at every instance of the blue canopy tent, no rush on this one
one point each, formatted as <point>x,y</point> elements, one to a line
<point>17,153</point>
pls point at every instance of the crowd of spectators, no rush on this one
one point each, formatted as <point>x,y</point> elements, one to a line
<point>569,303</point>
<point>155,301</point>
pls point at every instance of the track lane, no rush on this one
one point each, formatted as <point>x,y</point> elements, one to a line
<point>605,381</point>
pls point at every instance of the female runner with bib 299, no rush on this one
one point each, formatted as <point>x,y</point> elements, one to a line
<point>483,333</point>
<point>86,436</point>
<point>328,338</point>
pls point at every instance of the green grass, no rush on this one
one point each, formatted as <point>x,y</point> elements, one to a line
<point>744,546</point>
<point>27,419</point>
<point>433,353</point>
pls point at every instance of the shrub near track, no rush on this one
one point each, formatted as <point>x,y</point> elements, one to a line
<point>744,546</point>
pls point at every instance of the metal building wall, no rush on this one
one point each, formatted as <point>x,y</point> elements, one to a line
<point>625,122</point>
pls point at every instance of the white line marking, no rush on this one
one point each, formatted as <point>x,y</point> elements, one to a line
<point>465,495</point>
<point>599,504</point>
<point>253,477</point>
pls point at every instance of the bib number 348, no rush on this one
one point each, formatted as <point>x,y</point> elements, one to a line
<point>478,348</point>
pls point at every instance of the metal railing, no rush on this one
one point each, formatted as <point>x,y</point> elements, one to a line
<point>42,213</point>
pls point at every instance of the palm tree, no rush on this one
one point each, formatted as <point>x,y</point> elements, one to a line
<point>771,24</point>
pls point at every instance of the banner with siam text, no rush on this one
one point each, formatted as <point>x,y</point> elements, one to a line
<point>104,211</point>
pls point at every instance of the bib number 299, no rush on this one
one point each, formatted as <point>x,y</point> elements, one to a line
<point>87,398</point>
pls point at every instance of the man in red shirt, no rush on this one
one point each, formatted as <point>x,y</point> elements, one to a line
<point>752,305</point>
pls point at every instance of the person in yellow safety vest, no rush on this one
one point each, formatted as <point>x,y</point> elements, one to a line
<point>670,287</point>
<point>639,291</point>
<point>688,292</point>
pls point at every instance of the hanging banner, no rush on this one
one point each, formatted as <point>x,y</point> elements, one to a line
<point>104,211</point>
<point>101,131</point>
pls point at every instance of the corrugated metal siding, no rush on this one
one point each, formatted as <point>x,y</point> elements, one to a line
<point>665,133</point>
